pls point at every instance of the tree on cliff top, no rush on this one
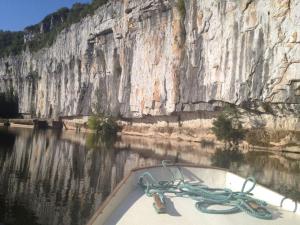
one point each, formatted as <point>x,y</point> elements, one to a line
<point>11,43</point>
<point>44,33</point>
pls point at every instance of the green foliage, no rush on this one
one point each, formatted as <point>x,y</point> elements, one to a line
<point>258,137</point>
<point>207,143</point>
<point>62,18</point>
<point>221,126</point>
<point>97,3</point>
<point>105,126</point>
<point>181,7</point>
<point>96,141</point>
<point>93,123</point>
<point>9,106</point>
<point>12,43</point>
<point>231,112</point>
<point>228,128</point>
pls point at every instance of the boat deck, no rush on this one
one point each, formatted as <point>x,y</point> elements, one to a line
<point>182,211</point>
<point>128,205</point>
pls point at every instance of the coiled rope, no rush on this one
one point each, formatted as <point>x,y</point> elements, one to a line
<point>205,196</point>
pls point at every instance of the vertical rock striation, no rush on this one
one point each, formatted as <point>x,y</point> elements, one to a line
<point>152,57</point>
<point>58,181</point>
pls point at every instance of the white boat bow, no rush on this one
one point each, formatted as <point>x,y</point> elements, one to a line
<point>128,205</point>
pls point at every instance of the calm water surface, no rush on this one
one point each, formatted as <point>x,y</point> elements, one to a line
<point>50,178</point>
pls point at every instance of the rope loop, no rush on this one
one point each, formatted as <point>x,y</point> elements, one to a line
<point>206,197</point>
<point>285,198</point>
<point>251,179</point>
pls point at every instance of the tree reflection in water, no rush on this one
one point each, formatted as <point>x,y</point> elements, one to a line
<point>97,141</point>
<point>227,157</point>
<point>272,170</point>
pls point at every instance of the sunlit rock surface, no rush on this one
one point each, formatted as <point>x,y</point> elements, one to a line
<point>145,57</point>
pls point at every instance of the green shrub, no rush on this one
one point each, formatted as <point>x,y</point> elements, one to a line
<point>181,7</point>
<point>93,123</point>
<point>105,126</point>
<point>228,128</point>
<point>258,137</point>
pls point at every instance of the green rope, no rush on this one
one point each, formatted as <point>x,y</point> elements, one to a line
<point>233,202</point>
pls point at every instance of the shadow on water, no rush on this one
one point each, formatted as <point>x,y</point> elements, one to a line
<point>7,139</point>
<point>224,158</point>
<point>48,179</point>
<point>15,213</point>
<point>273,170</point>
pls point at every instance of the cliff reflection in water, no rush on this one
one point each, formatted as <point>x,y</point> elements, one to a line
<point>278,171</point>
<point>46,179</point>
<point>61,178</point>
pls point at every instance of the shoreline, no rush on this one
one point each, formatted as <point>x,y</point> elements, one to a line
<point>206,137</point>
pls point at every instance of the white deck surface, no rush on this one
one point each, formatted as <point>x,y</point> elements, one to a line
<point>129,205</point>
<point>139,210</point>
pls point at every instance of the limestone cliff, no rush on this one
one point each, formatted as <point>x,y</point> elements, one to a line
<point>156,57</point>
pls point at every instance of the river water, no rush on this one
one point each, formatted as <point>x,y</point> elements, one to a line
<point>61,178</point>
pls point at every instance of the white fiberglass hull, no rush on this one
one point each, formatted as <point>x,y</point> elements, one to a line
<point>129,205</point>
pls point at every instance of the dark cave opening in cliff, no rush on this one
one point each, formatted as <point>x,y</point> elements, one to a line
<point>9,105</point>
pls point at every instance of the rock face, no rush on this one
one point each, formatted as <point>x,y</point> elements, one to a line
<point>156,57</point>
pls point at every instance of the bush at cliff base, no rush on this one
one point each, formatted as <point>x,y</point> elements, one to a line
<point>103,125</point>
